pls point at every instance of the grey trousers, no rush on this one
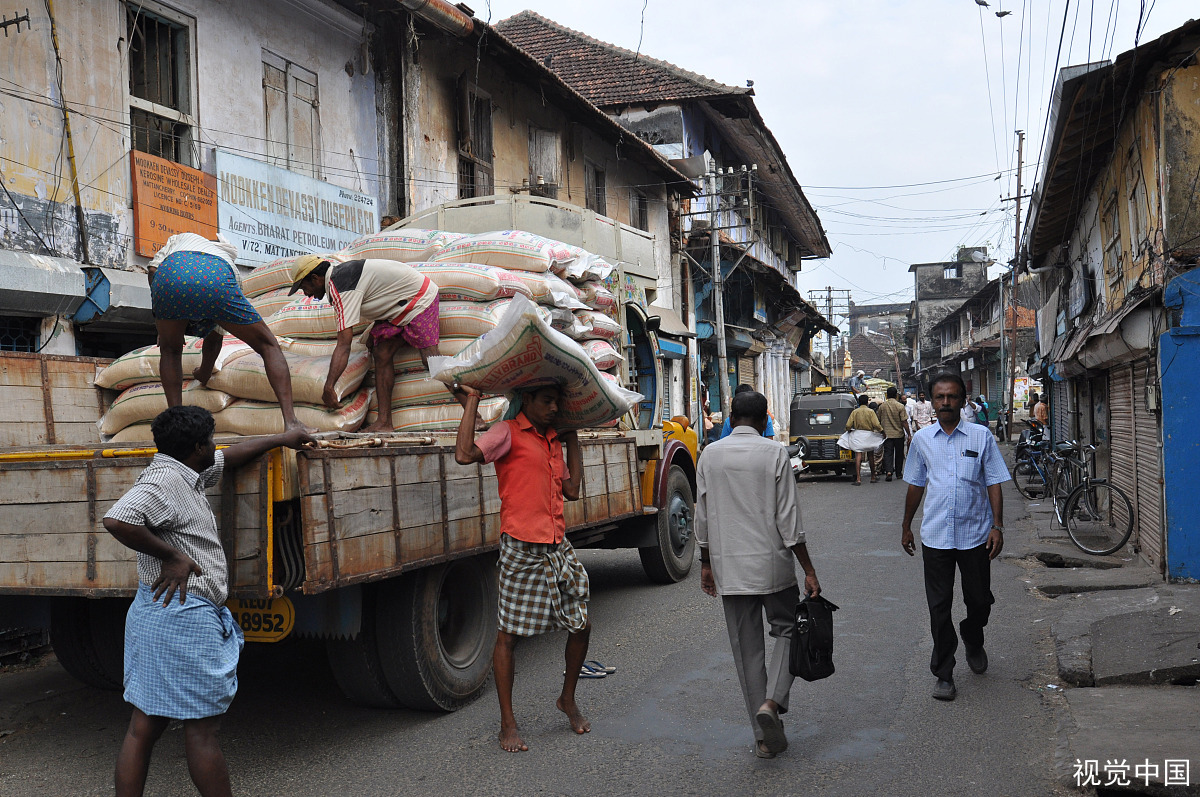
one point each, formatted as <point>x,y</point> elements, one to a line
<point>744,619</point>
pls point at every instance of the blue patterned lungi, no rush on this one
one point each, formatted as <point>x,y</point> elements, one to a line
<point>201,288</point>
<point>180,661</point>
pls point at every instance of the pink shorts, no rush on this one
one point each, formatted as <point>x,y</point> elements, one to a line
<point>420,333</point>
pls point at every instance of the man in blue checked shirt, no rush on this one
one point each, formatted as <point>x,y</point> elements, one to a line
<point>961,467</point>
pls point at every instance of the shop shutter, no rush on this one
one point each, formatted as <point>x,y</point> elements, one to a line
<point>745,371</point>
<point>1122,453</point>
<point>1149,466</point>
<point>1060,415</point>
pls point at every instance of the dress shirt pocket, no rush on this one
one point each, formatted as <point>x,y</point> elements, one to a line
<point>970,469</point>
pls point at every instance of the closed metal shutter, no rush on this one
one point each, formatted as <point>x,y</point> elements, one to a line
<point>1121,424</point>
<point>745,371</point>
<point>1060,414</point>
<point>1149,466</point>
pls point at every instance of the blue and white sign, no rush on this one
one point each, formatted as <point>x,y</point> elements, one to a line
<point>270,212</point>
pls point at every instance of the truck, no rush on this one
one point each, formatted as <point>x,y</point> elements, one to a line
<point>383,547</point>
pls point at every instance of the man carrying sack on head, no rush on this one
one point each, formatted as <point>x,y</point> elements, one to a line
<point>401,302</point>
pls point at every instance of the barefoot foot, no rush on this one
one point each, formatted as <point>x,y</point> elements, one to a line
<point>579,723</point>
<point>510,740</point>
<point>378,427</point>
<point>202,375</point>
<point>296,423</point>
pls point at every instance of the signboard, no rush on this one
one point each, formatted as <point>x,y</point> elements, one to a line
<point>169,198</point>
<point>271,213</point>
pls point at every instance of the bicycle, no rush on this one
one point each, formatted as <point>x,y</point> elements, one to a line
<point>1098,515</point>
<point>1032,462</point>
<point>1069,469</point>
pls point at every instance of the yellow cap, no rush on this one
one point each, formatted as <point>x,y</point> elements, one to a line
<point>304,266</point>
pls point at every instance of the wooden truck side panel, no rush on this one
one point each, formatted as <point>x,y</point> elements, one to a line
<point>368,514</point>
<point>50,399</point>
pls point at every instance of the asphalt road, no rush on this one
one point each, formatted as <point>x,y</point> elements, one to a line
<point>670,721</point>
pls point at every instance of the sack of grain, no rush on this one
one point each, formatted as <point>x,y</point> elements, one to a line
<point>603,354</point>
<point>515,249</point>
<point>244,417</point>
<point>268,277</point>
<point>562,294</point>
<point>144,402</point>
<point>524,351</point>
<point>472,282</point>
<point>596,296</point>
<point>133,433</point>
<point>315,347</point>
<point>268,304</point>
<point>443,417</point>
<point>582,265</point>
<point>406,246</point>
<point>307,318</point>
<point>537,286</point>
<point>246,378</point>
<point>408,359</point>
<point>597,325</point>
<point>416,390</point>
<point>141,365</point>
<point>470,319</point>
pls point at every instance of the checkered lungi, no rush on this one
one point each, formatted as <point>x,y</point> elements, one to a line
<point>543,586</point>
<point>180,660</point>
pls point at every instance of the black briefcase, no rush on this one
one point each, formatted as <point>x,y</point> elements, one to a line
<point>812,640</point>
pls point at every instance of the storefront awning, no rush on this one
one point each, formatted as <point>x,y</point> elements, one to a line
<point>671,350</point>
<point>670,322</point>
<point>37,285</point>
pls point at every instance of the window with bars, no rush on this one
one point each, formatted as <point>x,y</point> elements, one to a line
<point>18,333</point>
<point>161,120</point>
<point>292,111</point>
<point>475,154</point>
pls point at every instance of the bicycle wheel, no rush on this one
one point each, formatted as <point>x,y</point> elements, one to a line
<point>1061,485</point>
<point>1099,517</point>
<point>1027,478</point>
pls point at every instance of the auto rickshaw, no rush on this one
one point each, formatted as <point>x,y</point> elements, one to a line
<point>818,418</point>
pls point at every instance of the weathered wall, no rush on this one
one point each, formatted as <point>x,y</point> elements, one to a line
<point>228,105</point>
<point>1181,153</point>
<point>431,117</point>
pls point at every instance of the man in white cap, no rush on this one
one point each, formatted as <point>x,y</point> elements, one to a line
<point>399,302</point>
<point>858,382</point>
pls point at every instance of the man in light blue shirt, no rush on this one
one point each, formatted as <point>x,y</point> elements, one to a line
<point>727,429</point>
<point>961,468</point>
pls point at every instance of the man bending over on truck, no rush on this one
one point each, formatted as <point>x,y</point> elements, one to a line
<point>193,283</point>
<point>543,586</point>
<point>400,301</point>
<point>181,656</point>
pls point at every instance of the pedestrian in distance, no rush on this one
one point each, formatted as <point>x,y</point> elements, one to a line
<point>1041,412</point>
<point>398,302</point>
<point>893,417</point>
<point>956,467</point>
<point>982,411</point>
<point>750,534</point>
<point>181,643</point>
<point>864,419</point>
<point>194,285</point>
<point>857,383</point>
<point>727,428</point>
<point>543,585</point>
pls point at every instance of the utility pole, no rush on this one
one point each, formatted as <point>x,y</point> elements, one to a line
<point>1012,297</point>
<point>829,316</point>
<point>718,280</point>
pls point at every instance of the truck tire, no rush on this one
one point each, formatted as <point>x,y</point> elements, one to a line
<point>355,662</point>
<point>671,559</point>
<point>436,628</point>
<point>89,639</point>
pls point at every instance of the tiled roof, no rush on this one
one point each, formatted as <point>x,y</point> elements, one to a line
<point>604,73</point>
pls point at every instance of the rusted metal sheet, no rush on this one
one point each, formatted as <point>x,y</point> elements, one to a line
<point>369,514</point>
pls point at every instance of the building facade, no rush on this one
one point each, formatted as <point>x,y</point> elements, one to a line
<point>940,289</point>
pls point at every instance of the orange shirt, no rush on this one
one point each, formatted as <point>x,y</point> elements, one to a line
<point>529,474</point>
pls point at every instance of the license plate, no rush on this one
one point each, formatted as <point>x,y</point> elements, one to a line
<point>263,620</point>
<point>821,418</point>
<point>844,454</point>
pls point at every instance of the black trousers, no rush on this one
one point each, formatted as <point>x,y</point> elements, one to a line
<point>976,570</point>
<point>893,456</point>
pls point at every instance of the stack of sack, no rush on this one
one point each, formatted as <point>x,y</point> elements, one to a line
<point>478,277</point>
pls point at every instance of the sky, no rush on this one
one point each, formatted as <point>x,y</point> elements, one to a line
<point>898,118</point>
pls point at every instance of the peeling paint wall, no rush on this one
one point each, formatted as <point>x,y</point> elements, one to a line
<point>1181,153</point>
<point>228,39</point>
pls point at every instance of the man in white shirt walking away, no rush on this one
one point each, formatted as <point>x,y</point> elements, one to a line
<point>750,535</point>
